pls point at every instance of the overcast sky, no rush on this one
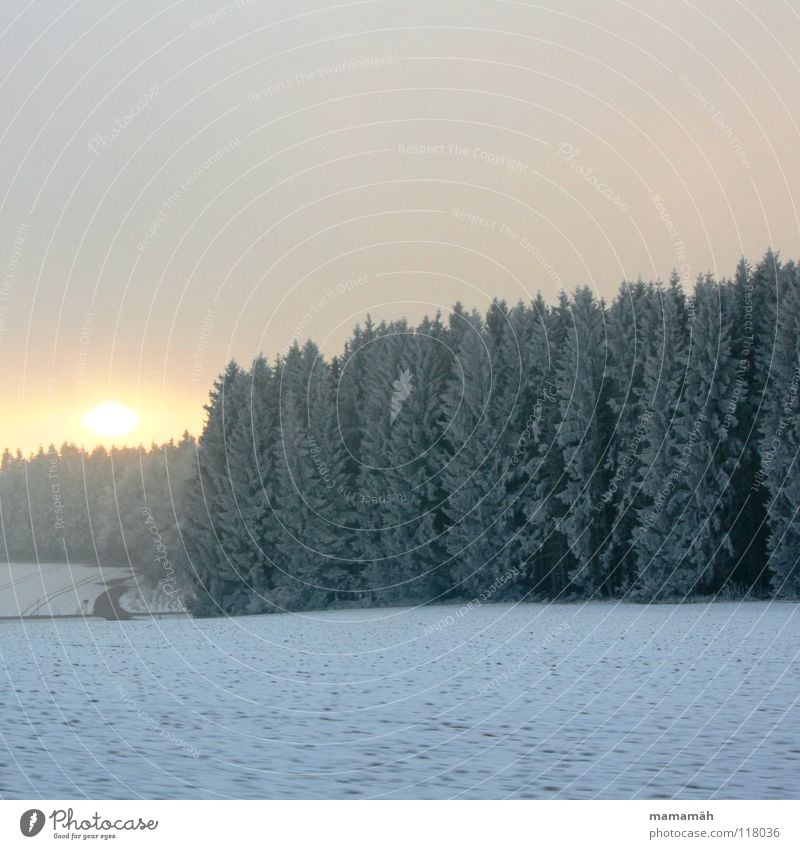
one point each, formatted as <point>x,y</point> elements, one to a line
<point>189,182</point>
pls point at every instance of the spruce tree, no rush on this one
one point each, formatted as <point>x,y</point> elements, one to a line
<point>210,516</point>
<point>700,542</point>
<point>660,472</point>
<point>583,437</point>
<point>415,455</point>
<point>475,476</point>
<point>748,530</point>
<point>628,322</point>
<point>780,466</point>
<point>547,559</point>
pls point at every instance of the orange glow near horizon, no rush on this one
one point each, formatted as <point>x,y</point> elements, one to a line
<point>91,423</point>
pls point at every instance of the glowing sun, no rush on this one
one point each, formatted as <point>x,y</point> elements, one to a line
<point>111,419</point>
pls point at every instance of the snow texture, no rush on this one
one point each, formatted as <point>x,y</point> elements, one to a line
<point>60,589</point>
<point>525,701</point>
<point>53,589</point>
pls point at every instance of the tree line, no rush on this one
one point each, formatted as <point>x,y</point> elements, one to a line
<point>642,449</point>
<point>105,507</point>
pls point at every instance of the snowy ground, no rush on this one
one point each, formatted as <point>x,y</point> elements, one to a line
<point>558,701</point>
<point>60,589</point>
<point>141,598</point>
<point>53,589</point>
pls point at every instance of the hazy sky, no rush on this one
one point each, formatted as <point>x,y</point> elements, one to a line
<point>182,183</point>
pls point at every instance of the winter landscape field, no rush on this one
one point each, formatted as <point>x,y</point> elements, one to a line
<point>558,701</point>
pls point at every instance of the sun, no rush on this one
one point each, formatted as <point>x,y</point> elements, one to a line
<point>111,419</point>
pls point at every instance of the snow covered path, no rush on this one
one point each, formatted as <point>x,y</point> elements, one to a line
<point>60,589</point>
<point>55,589</point>
<point>541,701</point>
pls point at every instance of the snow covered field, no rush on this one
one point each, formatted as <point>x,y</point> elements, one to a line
<point>541,701</point>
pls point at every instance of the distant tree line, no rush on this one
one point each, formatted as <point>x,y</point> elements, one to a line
<point>644,449</point>
<point>106,507</point>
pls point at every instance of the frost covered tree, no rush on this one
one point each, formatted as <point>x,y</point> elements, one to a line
<point>628,323</point>
<point>250,463</point>
<point>311,484</point>
<point>748,529</point>
<point>216,537</point>
<point>700,542</point>
<point>471,470</point>
<point>352,373</point>
<point>139,522</point>
<point>531,390</point>
<point>779,471</point>
<point>662,458</point>
<point>17,542</point>
<point>583,437</point>
<point>546,556</point>
<point>478,406</point>
<point>414,457</point>
<point>374,498</point>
